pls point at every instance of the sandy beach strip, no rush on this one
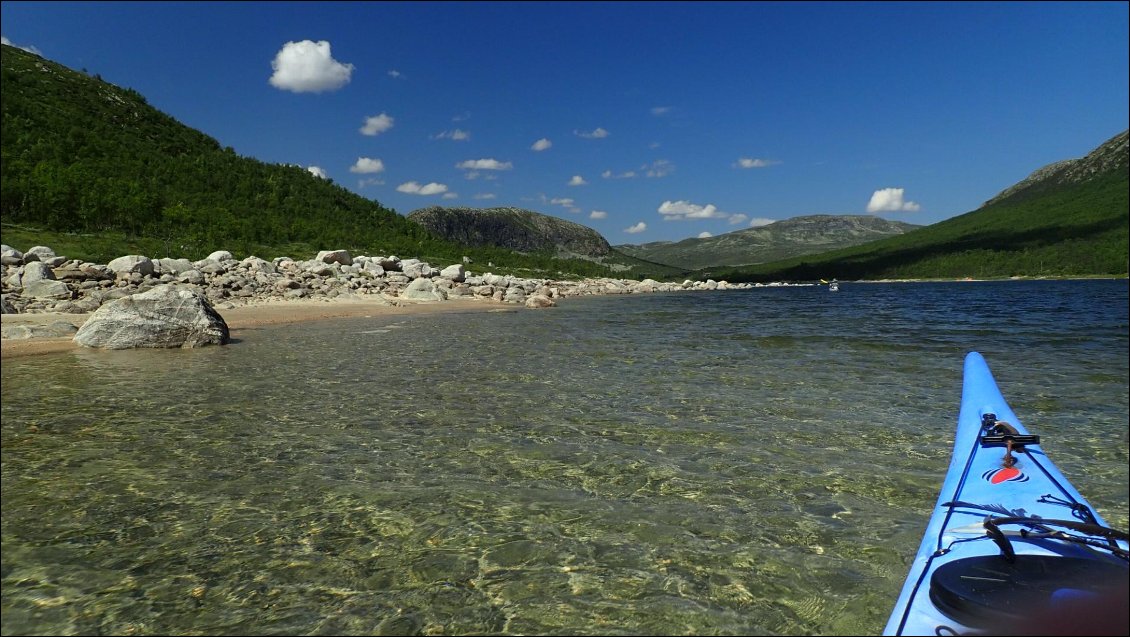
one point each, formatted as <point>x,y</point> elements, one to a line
<point>248,317</point>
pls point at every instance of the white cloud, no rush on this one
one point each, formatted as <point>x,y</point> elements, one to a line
<point>561,201</point>
<point>308,67</point>
<point>541,144</point>
<point>598,133</point>
<point>29,49</point>
<point>370,181</point>
<point>608,174</point>
<point>891,200</point>
<point>682,210</point>
<point>456,135</point>
<point>755,223</point>
<point>318,172</point>
<point>484,164</point>
<point>748,162</point>
<point>658,168</point>
<point>393,73</point>
<point>485,195</point>
<point>577,180</point>
<point>414,188</point>
<point>376,124</point>
<point>598,214</point>
<point>636,229</point>
<point>450,195</point>
<point>704,235</point>
<point>367,166</point>
<point>660,110</point>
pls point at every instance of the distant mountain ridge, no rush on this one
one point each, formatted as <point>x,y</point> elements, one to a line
<point>797,236</point>
<point>513,229</point>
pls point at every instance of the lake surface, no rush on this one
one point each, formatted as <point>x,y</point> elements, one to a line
<point>740,462</point>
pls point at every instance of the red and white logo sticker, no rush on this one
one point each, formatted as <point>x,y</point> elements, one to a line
<point>1008,474</point>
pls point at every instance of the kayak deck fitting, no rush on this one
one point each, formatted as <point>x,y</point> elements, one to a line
<point>1011,547</point>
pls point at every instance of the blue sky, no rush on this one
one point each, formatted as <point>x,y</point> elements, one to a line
<point>646,121</point>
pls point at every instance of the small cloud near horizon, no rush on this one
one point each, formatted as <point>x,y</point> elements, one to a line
<point>658,168</point>
<point>455,135</point>
<point>367,166</point>
<point>308,67</point>
<point>636,229</point>
<point>317,171</point>
<point>577,180</point>
<point>684,210</point>
<point>597,133</point>
<point>598,214</point>
<point>748,162</point>
<point>29,48</point>
<point>414,188</point>
<point>891,200</point>
<point>704,235</point>
<point>541,144</point>
<point>484,164</point>
<point>608,174</point>
<point>376,124</point>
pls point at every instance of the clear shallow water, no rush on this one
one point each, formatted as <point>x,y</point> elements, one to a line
<point>753,462</point>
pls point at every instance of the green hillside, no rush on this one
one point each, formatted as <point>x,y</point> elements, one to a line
<point>1068,219</point>
<point>93,171</point>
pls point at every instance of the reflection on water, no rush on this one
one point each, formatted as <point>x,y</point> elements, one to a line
<point>757,462</point>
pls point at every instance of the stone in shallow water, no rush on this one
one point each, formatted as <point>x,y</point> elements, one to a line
<point>166,316</point>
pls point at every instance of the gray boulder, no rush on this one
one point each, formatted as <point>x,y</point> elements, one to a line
<point>10,255</point>
<point>132,263</point>
<point>166,316</point>
<point>454,272</point>
<point>55,329</point>
<point>38,253</point>
<point>423,290</point>
<point>35,271</point>
<point>340,257</point>
<point>538,301</point>
<point>47,289</point>
<point>172,266</point>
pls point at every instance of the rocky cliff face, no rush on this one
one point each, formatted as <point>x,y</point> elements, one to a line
<point>514,229</point>
<point>1111,156</point>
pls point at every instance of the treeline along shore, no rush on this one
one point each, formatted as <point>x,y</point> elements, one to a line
<point>39,282</point>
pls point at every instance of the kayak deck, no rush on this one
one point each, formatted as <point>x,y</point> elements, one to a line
<point>1010,543</point>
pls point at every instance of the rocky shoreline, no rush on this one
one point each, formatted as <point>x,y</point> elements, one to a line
<point>39,282</point>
